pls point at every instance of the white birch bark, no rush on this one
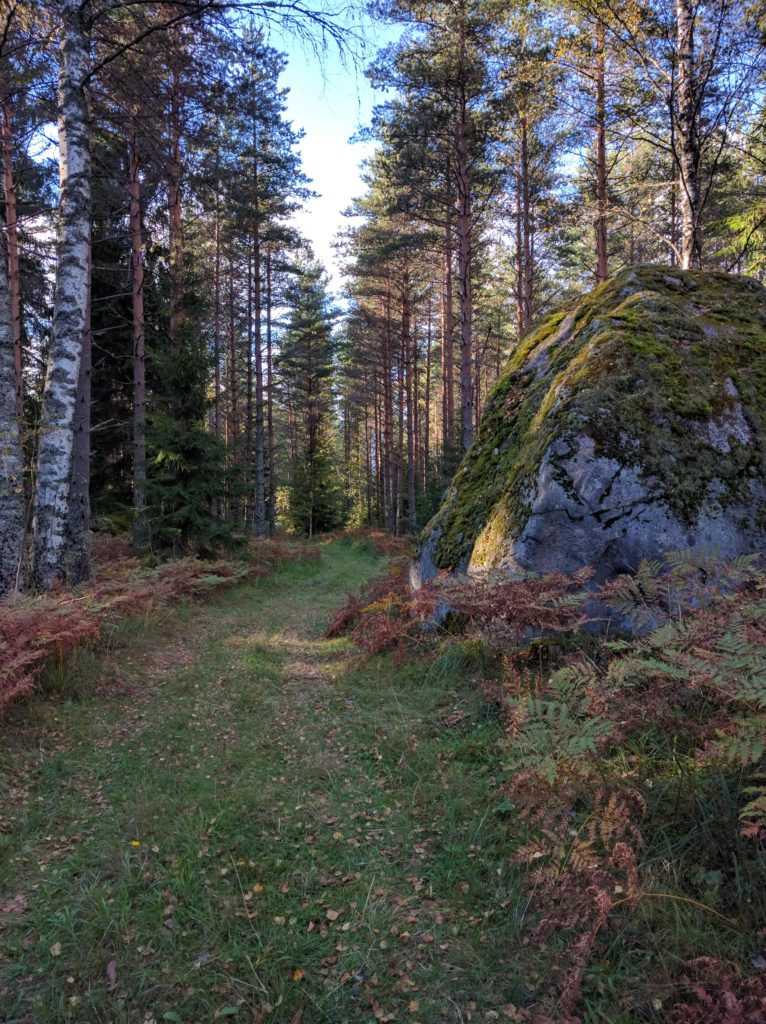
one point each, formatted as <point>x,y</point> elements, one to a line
<point>11,465</point>
<point>54,460</point>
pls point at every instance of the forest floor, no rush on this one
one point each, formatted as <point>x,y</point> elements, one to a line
<point>227,816</point>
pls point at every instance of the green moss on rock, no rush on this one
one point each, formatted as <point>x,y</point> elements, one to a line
<point>644,366</point>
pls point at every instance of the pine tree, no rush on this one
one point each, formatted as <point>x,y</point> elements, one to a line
<point>305,366</point>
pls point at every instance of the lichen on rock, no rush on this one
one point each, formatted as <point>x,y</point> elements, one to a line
<point>629,426</point>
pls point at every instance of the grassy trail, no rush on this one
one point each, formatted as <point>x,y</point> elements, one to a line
<point>242,822</point>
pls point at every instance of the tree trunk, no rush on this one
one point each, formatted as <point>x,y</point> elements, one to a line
<point>599,224</point>
<point>78,566</point>
<point>11,462</point>
<point>687,137</point>
<point>447,360</point>
<point>400,443</point>
<point>427,417</point>
<point>526,228</point>
<point>272,498</point>
<point>464,231</point>
<point>139,349</point>
<point>407,354</point>
<point>217,318</point>
<point>389,485</point>
<point>368,465</point>
<point>175,210</point>
<point>12,241</point>
<point>249,502</point>
<point>54,459</point>
<point>519,261</point>
<point>260,474</point>
<point>233,404</point>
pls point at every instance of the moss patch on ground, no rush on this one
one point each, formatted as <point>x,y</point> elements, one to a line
<point>642,365</point>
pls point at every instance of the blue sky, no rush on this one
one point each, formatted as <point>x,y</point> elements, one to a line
<point>330,102</point>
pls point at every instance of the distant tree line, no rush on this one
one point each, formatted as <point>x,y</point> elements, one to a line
<point>528,151</point>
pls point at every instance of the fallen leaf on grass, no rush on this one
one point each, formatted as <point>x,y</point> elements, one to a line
<point>14,905</point>
<point>332,915</point>
<point>380,1014</point>
<point>111,973</point>
<point>56,949</point>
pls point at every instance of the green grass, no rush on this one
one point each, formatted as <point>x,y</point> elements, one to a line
<point>225,816</point>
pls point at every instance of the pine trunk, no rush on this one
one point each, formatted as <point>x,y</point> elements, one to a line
<point>519,261</point>
<point>687,138</point>
<point>233,403</point>
<point>175,211</point>
<point>272,498</point>
<point>389,484</point>
<point>217,319</point>
<point>249,502</point>
<point>427,409</point>
<point>260,468</point>
<point>139,348</point>
<point>464,255</point>
<point>411,392</point>
<point>526,228</point>
<point>600,223</point>
<point>11,461</point>
<point>447,356</point>
<point>400,443</point>
<point>12,245</point>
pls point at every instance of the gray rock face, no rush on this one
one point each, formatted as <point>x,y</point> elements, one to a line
<point>631,426</point>
<point>423,569</point>
<point>586,509</point>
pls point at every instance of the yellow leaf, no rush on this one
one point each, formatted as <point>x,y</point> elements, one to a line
<point>298,975</point>
<point>56,949</point>
<point>414,1006</point>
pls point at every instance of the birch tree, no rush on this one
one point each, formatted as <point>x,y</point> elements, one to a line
<point>54,460</point>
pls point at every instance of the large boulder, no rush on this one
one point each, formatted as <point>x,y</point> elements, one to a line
<point>629,426</point>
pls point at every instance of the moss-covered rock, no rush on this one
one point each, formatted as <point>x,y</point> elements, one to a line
<point>632,425</point>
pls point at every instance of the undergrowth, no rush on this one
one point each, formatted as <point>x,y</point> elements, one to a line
<point>38,630</point>
<point>635,777</point>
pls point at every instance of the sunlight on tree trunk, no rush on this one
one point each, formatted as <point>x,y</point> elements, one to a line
<point>54,460</point>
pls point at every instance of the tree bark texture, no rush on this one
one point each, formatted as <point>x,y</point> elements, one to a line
<point>12,244</point>
<point>139,348</point>
<point>272,497</point>
<point>11,462</point>
<point>687,137</point>
<point>464,232</point>
<point>54,459</point>
<point>78,562</point>
<point>600,219</point>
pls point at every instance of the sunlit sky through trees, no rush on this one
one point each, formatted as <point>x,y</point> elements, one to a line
<point>330,99</point>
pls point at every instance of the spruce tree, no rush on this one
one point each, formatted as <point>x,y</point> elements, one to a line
<point>305,365</point>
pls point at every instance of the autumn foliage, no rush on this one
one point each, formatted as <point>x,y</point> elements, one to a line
<point>635,719</point>
<point>35,630</point>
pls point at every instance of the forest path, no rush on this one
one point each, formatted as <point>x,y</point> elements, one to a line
<point>255,826</point>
